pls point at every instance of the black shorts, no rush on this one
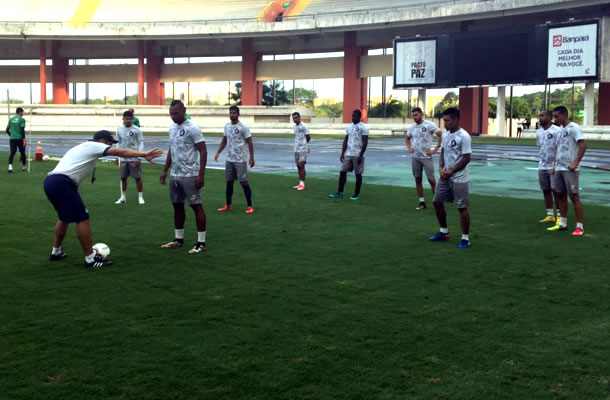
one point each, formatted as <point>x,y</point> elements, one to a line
<point>62,192</point>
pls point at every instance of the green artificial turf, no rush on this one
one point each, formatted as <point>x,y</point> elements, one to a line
<point>308,298</point>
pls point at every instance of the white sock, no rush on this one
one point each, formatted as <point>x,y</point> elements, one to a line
<point>444,230</point>
<point>140,195</point>
<point>123,194</point>
<point>563,221</point>
<point>580,225</point>
<point>10,166</point>
<point>465,237</point>
<point>56,251</point>
<point>421,200</point>
<point>549,211</point>
<point>201,237</point>
<point>90,257</point>
<point>301,182</point>
<point>179,233</point>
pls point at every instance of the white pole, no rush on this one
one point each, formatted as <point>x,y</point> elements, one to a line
<point>589,103</point>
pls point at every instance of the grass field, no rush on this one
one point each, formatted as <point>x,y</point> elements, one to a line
<point>308,298</point>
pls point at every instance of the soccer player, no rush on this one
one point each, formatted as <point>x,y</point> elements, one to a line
<point>130,137</point>
<point>545,139</point>
<point>187,157</point>
<point>16,132</point>
<point>61,188</point>
<point>419,141</point>
<point>236,137</point>
<point>352,155</point>
<point>301,139</point>
<point>136,120</point>
<point>453,182</point>
<point>570,149</point>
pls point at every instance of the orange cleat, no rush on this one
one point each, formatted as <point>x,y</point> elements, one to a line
<point>249,210</point>
<point>224,208</point>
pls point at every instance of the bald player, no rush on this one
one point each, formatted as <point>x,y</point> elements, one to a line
<point>301,148</point>
<point>546,136</point>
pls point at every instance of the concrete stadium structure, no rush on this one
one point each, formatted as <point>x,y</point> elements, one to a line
<point>70,29</point>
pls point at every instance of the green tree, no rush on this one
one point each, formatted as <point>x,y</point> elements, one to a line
<point>450,100</point>
<point>275,89</point>
<point>393,109</point>
<point>303,96</point>
<point>329,110</point>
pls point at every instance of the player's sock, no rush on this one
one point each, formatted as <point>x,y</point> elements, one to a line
<point>465,237</point>
<point>141,195</point>
<point>580,225</point>
<point>248,194</point>
<point>123,194</point>
<point>563,222</point>
<point>90,258</point>
<point>421,200</point>
<point>179,234</point>
<point>229,194</point>
<point>201,237</point>
<point>56,251</point>
<point>549,211</point>
<point>10,168</point>
<point>444,230</point>
<point>301,182</point>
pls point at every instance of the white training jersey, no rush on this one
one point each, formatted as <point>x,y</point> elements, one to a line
<point>183,140</point>
<point>567,146</point>
<point>129,138</point>
<point>236,141</point>
<point>454,146</point>
<point>80,160</point>
<point>354,133</point>
<point>546,140</point>
<point>422,136</point>
<point>300,138</point>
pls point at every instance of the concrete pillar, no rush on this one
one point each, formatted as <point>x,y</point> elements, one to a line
<point>251,90</point>
<point>140,72</point>
<point>501,111</point>
<point>61,93</point>
<point>354,87</point>
<point>474,108</point>
<point>153,80</point>
<point>422,101</point>
<point>43,72</point>
<point>589,103</point>
<point>603,106</point>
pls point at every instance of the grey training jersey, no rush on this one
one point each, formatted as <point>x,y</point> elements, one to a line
<point>454,146</point>
<point>183,140</point>
<point>129,138</point>
<point>236,141</point>
<point>567,146</point>
<point>300,141</point>
<point>546,140</point>
<point>354,133</point>
<point>421,136</point>
<point>80,160</point>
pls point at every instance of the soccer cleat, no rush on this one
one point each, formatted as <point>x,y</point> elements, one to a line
<point>57,257</point>
<point>439,236</point>
<point>174,244</point>
<point>98,262</point>
<point>464,244</point>
<point>120,200</point>
<point>557,227</point>
<point>549,218</point>
<point>224,208</point>
<point>249,210</point>
<point>578,232</point>
<point>199,247</point>
<point>355,197</point>
<point>421,206</point>
<point>10,169</point>
<point>141,201</point>
<point>337,195</point>
<point>300,187</point>
<point>24,168</point>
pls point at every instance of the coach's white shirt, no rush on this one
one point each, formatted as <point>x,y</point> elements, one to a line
<point>80,160</point>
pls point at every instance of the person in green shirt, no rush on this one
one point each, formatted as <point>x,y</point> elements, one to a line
<point>16,132</point>
<point>136,120</point>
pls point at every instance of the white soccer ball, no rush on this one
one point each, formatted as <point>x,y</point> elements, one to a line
<point>102,249</point>
<point>45,157</point>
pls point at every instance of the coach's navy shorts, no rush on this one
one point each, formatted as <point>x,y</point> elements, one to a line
<point>62,192</point>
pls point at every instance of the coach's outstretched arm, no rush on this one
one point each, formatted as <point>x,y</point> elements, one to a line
<point>129,153</point>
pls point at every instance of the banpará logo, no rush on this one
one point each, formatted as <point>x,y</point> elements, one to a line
<point>559,40</point>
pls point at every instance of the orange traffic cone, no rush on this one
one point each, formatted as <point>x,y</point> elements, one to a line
<point>39,154</point>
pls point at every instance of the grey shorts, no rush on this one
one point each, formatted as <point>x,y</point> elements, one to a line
<point>565,182</point>
<point>236,171</point>
<point>544,178</point>
<point>448,191</point>
<point>300,158</point>
<point>419,164</point>
<point>129,168</point>
<point>184,188</point>
<point>350,163</point>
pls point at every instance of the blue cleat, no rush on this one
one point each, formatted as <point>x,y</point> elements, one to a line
<point>355,197</point>
<point>439,236</point>
<point>337,195</point>
<point>464,244</point>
